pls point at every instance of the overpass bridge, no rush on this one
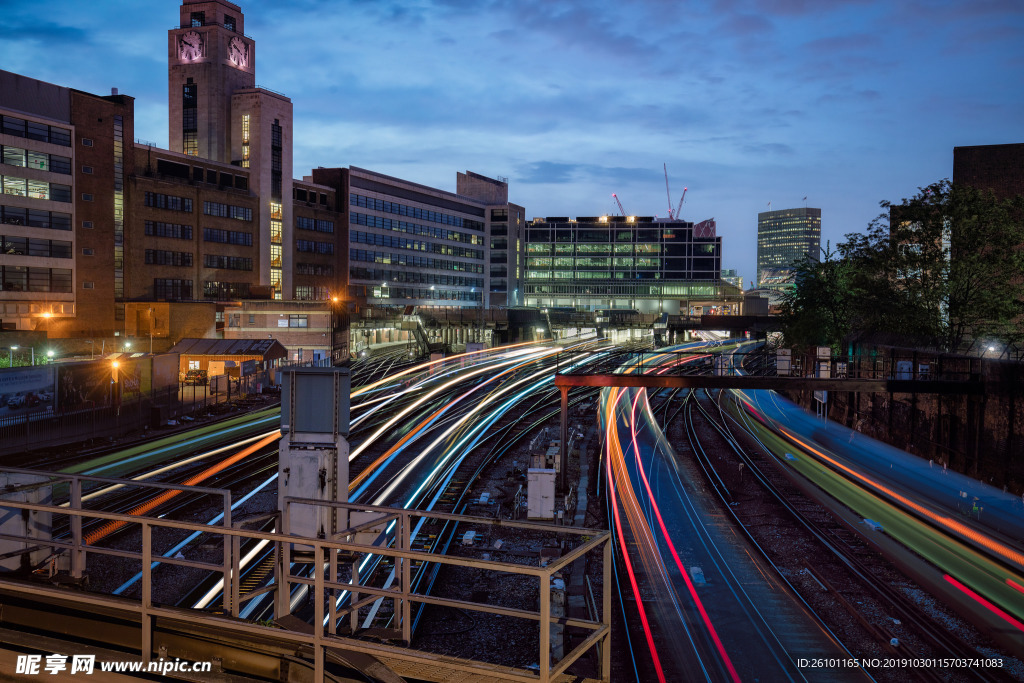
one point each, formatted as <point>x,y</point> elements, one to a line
<point>438,328</point>
<point>855,373</point>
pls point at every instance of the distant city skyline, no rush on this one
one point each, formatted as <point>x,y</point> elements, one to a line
<point>747,103</point>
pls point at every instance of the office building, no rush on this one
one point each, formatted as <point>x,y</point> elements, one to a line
<point>999,168</point>
<point>783,238</point>
<point>62,207</point>
<point>635,262</point>
<point>410,244</point>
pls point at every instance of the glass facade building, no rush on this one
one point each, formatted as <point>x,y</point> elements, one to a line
<point>633,262</point>
<point>783,238</point>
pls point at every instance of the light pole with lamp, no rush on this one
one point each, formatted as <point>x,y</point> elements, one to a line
<point>115,386</point>
<point>334,332</point>
<point>49,356</point>
<point>10,355</point>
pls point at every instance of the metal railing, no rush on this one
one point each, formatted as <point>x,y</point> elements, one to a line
<point>910,366</point>
<point>327,586</point>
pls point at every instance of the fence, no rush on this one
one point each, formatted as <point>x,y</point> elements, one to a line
<point>46,429</point>
<point>325,589</point>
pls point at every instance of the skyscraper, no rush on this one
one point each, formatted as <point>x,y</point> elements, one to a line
<point>783,238</point>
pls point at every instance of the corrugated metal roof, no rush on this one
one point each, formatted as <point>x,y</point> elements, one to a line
<point>268,349</point>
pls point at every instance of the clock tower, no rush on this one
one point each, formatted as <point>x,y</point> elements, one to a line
<point>217,112</point>
<point>210,59</point>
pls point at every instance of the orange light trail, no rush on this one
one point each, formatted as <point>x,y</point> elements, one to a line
<point>109,528</point>
<point>948,522</point>
<point>611,439</point>
<point>671,546</point>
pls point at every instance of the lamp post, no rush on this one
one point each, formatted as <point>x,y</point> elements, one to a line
<point>115,386</point>
<point>151,330</point>
<point>49,356</point>
<point>10,356</point>
<point>334,332</point>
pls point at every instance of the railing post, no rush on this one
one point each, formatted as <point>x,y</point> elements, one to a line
<point>318,611</point>
<point>78,553</point>
<point>545,628</point>
<point>353,616</point>
<point>233,597</point>
<point>147,593</point>
<point>282,599</point>
<point>563,455</point>
<point>332,607</point>
<point>406,544</point>
<point>606,614</point>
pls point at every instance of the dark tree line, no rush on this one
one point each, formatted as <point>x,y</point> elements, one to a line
<point>943,269</point>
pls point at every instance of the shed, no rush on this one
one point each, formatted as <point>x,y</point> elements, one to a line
<point>198,353</point>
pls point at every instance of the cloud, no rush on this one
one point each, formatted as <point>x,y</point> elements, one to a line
<point>545,172</point>
<point>844,43</point>
<point>769,149</point>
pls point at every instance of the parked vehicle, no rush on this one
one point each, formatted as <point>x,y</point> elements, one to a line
<point>193,376</point>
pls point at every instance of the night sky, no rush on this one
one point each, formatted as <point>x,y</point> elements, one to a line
<point>845,101</point>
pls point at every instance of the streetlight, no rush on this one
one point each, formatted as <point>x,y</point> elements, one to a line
<point>10,356</point>
<point>49,355</point>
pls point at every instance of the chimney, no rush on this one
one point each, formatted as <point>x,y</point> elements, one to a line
<point>113,91</point>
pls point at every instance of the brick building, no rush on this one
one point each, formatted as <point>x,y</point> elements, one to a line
<point>999,168</point>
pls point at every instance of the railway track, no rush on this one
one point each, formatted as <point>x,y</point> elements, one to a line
<point>906,631</point>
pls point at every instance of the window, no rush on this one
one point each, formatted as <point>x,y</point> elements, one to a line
<point>193,365</point>
<point>295,320</point>
<point>86,142</point>
<point>225,290</point>
<point>86,197</point>
<point>168,258</point>
<point>229,22</point>
<point>170,202</point>
<point>87,170</point>
<point>88,252</point>
<point>88,285</point>
<point>314,247</point>
<point>190,119</point>
<point>241,213</point>
<point>88,225</point>
<point>173,230</point>
<point>252,318</point>
<point>198,19</point>
<point>21,128</point>
<point>167,288</point>
<point>27,279</point>
<point>227,262</point>
<point>227,236</point>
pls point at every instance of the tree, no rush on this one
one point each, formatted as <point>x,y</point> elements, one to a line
<point>944,268</point>
<point>818,310</point>
<point>954,262</point>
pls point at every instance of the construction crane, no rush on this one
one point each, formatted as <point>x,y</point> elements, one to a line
<point>668,195</point>
<point>672,215</point>
<point>616,198</point>
<point>680,207</point>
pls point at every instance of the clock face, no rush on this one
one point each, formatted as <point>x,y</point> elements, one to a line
<point>190,46</point>
<point>238,52</point>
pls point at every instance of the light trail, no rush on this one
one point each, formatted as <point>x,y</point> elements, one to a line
<point>675,555</point>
